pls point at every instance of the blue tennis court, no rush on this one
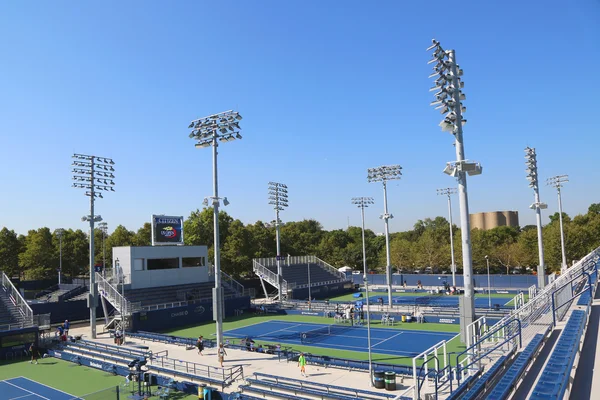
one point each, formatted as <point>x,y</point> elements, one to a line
<point>26,389</point>
<point>402,343</point>
<point>439,300</point>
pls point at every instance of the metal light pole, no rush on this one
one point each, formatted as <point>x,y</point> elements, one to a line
<point>383,174</point>
<point>309,292</point>
<point>362,203</point>
<point>557,182</point>
<point>103,229</point>
<point>449,192</point>
<point>223,127</point>
<point>532,177</point>
<point>59,233</point>
<point>487,260</point>
<point>95,174</point>
<point>448,98</point>
<point>278,197</point>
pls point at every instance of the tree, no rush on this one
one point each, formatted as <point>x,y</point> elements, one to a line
<point>401,253</point>
<point>143,236</point>
<point>75,253</point>
<point>39,255</point>
<point>235,255</point>
<point>9,252</point>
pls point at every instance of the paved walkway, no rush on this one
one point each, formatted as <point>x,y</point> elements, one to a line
<point>254,362</point>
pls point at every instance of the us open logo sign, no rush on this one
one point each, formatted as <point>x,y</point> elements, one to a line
<point>167,230</point>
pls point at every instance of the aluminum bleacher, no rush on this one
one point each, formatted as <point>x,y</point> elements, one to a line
<point>172,294</point>
<point>298,274</point>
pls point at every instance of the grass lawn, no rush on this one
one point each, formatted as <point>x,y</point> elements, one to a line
<point>208,330</point>
<point>69,377</point>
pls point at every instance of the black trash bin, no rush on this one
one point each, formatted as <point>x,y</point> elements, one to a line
<point>390,380</point>
<point>378,380</point>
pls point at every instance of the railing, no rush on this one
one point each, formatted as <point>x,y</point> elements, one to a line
<point>115,298</point>
<point>227,375</point>
<point>17,299</point>
<point>234,285</point>
<point>72,293</point>
<point>16,325</point>
<point>294,260</point>
<point>163,306</point>
<point>42,321</point>
<point>268,275</point>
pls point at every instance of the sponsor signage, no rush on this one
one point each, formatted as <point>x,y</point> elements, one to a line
<point>447,320</point>
<point>310,313</point>
<point>167,230</point>
<point>95,365</point>
<point>179,314</point>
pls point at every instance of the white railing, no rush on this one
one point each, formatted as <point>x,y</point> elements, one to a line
<point>17,299</point>
<point>110,293</point>
<point>295,260</point>
<point>234,285</point>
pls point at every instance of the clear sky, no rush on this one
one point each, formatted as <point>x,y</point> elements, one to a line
<point>327,89</point>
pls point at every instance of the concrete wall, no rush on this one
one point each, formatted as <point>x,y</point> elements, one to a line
<point>493,219</point>
<point>133,261</point>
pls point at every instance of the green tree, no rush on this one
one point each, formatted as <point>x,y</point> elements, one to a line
<point>235,256</point>
<point>39,257</point>
<point>75,252</point>
<point>9,252</point>
<point>143,236</point>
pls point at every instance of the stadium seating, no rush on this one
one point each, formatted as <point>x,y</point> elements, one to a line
<point>265,385</point>
<point>485,380</point>
<point>515,371</point>
<point>556,374</point>
<point>9,313</point>
<point>298,274</point>
<point>172,294</point>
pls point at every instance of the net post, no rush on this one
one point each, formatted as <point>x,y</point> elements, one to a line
<point>117,392</point>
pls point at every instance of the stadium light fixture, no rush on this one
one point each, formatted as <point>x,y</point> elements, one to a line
<point>449,192</point>
<point>532,177</point>
<point>383,174</point>
<point>450,95</point>
<point>557,182</point>
<point>208,131</point>
<point>59,234</point>
<point>362,203</point>
<point>278,198</point>
<point>87,170</point>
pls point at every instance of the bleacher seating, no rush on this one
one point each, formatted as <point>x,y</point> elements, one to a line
<point>265,384</point>
<point>298,273</point>
<point>516,370</point>
<point>464,385</point>
<point>485,380</point>
<point>556,374</point>
<point>6,318</point>
<point>9,313</point>
<point>172,294</point>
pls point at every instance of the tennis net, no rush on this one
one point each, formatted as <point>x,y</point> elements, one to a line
<point>314,334</point>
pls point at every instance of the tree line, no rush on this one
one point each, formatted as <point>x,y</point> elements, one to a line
<point>36,255</point>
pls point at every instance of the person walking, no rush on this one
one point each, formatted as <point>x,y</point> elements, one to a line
<point>222,353</point>
<point>200,345</point>
<point>302,364</point>
<point>67,325</point>
<point>34,353</point>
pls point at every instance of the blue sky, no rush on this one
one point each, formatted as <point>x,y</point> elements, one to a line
<point>327,89</point>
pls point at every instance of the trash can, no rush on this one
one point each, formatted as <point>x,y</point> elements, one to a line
<point>378,379</point>
<point>201,388</point>
<point>390,380</point>
<point>404,318</point>
<point>409,318</point>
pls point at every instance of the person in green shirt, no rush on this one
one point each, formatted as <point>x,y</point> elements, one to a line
<point>302,364</point>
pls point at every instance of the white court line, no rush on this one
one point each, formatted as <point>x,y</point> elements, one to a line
<point>49,387</point>
<point>22,397</point>
<point>279,330</point>
<point>385,340</point>
<point>28,391</point>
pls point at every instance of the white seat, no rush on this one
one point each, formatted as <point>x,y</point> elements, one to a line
<point>391,321</point>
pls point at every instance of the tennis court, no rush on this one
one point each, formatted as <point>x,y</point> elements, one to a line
<point>402,343</point>
<point>439,300</point>
<point>26,389</point>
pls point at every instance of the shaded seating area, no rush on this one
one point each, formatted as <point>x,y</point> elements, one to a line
<point>298,274</point>
<point>173,294</point>
<point>555,377</point>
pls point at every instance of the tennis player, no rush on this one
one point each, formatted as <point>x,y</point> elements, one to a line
<point>302,364</point>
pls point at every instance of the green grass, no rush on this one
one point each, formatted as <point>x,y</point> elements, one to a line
<point>68,377</point>
<point>208,329</point>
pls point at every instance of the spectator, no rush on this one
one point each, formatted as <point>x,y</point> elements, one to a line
<point>67,325</point>
<point>404,284</point>
<point>118,337</point>
<point>302,364</point>
<point>200,345</point>
<point>221,353</point>
<point>60,331</point>
<point>380,301</point>
<point>34,353</point>
<point>419,285</point>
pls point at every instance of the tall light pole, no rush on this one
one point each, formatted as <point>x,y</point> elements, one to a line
<point>104,230</point>
<point>448,98</point>
<point>532,177</point>
<point>557,182</point>
<point>383,174</point>
<point>362,203</point>
<point>449,192</point>
<point>59,233</point>
<point>278,198</point>
<point>208,131</point>
<point>487,261</point>
<point>95,174</point>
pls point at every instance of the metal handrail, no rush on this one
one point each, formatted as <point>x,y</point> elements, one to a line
<point>119,302</point>
<point>232,283</point>
<point>17,299</point>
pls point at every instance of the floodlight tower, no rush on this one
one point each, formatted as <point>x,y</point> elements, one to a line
<point>208,131</point>
<point>362,203</point>
<point>557,182</point>
<point>383,174</point>
<point>448,98</point>
<point>60,233</point>
<point>104,230</point>
<point>532,177</point>
<point>278,197</point>
<point>95,174</point>
<point>449,192</point>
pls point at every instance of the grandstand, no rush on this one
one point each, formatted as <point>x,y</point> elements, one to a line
<point>300,273</point>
